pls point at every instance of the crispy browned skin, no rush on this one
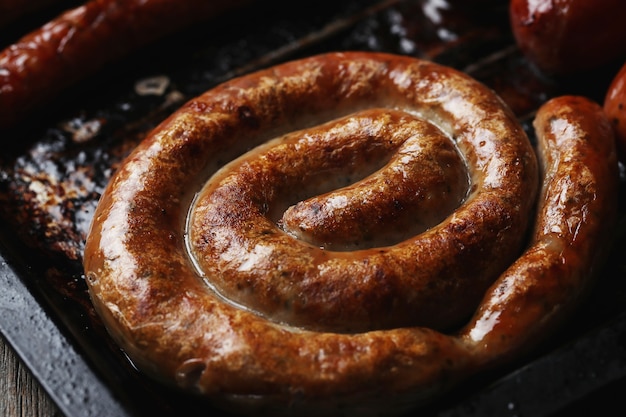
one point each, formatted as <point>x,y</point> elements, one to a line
<point>82,40</point>
<point>423,181</point>
<point>576,213</point>
<point>568,36</point>
<point>154,278</point>
<point>305,284</point>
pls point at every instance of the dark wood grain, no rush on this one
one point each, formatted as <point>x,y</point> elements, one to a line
<point>21,394</point>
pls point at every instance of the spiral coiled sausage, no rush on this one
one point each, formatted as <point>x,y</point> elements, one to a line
<point>210,262</point>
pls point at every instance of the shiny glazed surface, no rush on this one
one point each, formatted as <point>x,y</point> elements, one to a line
<point>55,56</point>
<point>151,278</point>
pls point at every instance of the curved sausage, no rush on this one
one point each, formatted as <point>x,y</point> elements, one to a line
<point>81,41</point>
<point>311,281</point>
<point>196,276</point>
<point>576,211</point>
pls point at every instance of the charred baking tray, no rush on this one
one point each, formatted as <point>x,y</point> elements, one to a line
<point>54,166</point>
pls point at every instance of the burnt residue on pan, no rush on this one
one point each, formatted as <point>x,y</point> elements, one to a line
<point>53,170</point>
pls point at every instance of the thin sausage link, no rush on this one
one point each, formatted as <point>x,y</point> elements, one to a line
<point>82,40</point>
<point>572,234</point>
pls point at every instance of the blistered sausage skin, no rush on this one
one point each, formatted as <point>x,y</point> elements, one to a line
<point>339,282</point>
<point>423,180</point>
<point>84,39</point>
<point>195,275</point>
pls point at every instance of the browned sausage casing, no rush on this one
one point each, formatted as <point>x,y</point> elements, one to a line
<point>82,40</point>
<point>576,210</point>
<point>209,262</point>
<point>568,36</point>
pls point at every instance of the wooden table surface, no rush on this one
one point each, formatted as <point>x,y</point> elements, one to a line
<point>20,394</point>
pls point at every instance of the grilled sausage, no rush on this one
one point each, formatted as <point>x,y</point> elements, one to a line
<point>197,269</point>
<point>81,41</point>
<point>576,210</point>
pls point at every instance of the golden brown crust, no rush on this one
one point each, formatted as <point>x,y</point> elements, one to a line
<point>143,275</point>
<point>387,283</point>
<point>576,212</point>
